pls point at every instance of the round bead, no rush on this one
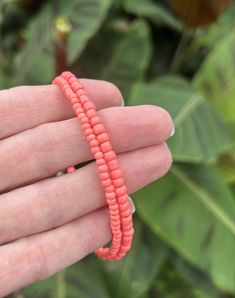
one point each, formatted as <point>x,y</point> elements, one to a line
<point>80,92</point>
<point>74,99</point>
<point>94,143</point>
<point>118,182</point>
<point>116,174</point>
<point>105,147</point>
<point>90,114</point>
<point>121,190</point>
<point>88,131</point>
<point>78,110</point>
<point>103,168</point>
<point>100,162</point>
<point>113,165</point>
<point>99,155</point>
<point>76,85</point>
<point>83,99</point>
<point>110,195</point>
<point>95,149</point>
<point>86,126</point>
<point>109,155</point>
<point>103,138</point>
<point>125,206</point>
<point>88,105</point>
<point>109,188</point>
<point>104,176</point>
<point>95,120</point>
<point>85,120</point>
<point>98,129</point>
<point>106,182</point>
<point>122,199</point>
<point>91,137</point>
<point>81,115</point>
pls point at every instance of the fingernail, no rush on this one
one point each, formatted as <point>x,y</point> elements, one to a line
<point>173,131</point>
<point>132,204</point>
<point>122,103</point>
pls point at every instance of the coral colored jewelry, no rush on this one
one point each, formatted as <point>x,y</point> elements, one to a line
<point>111,175</point>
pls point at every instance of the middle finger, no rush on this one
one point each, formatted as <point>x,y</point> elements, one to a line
<point>41,152</point>
<point>55,201</point>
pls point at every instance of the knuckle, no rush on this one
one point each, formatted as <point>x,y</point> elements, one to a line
<point>43,147</point>
<point>36,260</point>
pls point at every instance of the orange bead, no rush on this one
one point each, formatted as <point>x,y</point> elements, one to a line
<point>99,155</point>
<point>83,100</point>
<point>103,168</point>
<point>104,176</point>
<point>106,182</point>
<point>95,120</point>
<point>121,190</point>
<point>103,138</point>
<point>95,149</point>
<point>105,147</point>
<point>88,105</point>
<point>91,137</point>
<point>98,129</point>
<point>100,162</point>
<point>111,176</point>
<point>113,165</point>
<point>90,114</point>
<point>109,156</point>
<point>118,182</point>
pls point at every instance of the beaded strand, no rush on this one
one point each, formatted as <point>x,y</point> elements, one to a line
<point>111,175</point>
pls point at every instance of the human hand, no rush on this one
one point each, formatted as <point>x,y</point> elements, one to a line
<point>48,222</point>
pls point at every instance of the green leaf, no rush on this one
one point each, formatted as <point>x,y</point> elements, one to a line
<point>36,62</point>
<point>83,280</point>
<point>193,210</point>
<point>132,276</point>
<point>154,11</point>
<point>194,276</point>
<point>130,58</point>
<point>195,119</point>
<point>216,78</point>
<point>86,17</point>
<point>124,59</point>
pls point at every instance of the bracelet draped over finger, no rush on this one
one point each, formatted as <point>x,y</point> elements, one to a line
<point>111,175</point>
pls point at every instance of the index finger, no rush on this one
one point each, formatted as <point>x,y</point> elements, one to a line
<point>26,107</point>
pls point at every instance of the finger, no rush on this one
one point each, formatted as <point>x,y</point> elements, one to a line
<point>53,202</point>
<point>41,152</point>
<point>26,107</point>
<point>39,256</point>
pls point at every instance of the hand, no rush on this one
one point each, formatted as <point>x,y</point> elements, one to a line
<point>48,222</point>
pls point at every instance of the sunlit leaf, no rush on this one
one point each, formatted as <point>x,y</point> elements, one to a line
<point>195,119</point>
<point>216,78</point>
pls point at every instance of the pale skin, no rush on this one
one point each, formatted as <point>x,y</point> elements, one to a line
<point>48,223</point>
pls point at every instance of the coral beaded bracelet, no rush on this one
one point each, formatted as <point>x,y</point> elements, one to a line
<point>111,175</point>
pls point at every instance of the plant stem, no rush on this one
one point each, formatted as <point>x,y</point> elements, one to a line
<point>179,53</point>
<point>61,285</point>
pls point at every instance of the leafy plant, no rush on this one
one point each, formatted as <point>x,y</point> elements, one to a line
<point>185,223</point>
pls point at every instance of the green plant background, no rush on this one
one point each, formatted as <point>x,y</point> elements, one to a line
<point>185,223</point>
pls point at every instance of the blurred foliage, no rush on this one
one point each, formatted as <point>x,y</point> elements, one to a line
<point>185,223</point>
